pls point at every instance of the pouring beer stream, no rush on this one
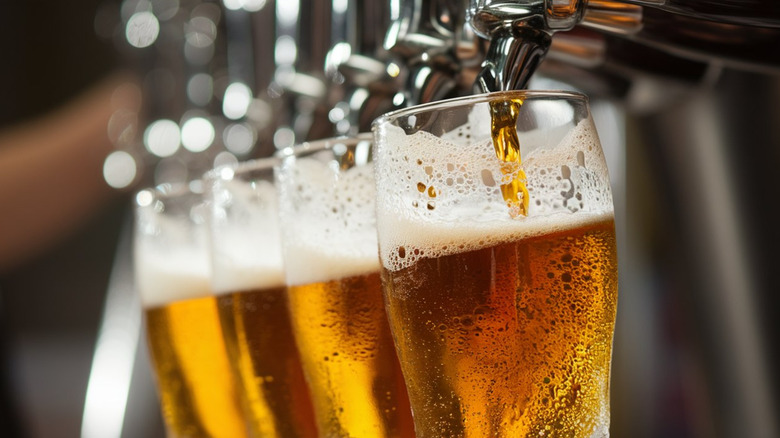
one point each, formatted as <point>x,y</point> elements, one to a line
<point>520,36</point>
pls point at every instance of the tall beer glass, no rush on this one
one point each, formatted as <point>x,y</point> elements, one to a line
<point>248,279</point>
<point>196,386</point>
<point>332,268</point>
<point>502,316</point>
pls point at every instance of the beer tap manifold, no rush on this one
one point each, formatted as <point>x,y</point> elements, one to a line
<point>520,33</point>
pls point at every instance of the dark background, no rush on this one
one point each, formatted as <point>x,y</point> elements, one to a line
<point>50,307</point>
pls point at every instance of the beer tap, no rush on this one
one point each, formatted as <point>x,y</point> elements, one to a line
<point>438,50</point>
<point>298,89</point>
<point>388,55</point>
<point>520,34</point>
<point>363,79</point>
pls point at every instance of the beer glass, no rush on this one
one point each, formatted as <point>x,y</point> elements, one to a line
<point>248,279</point>
<point>329,243</point>
<point>195,383</point>
<point>499,266</point>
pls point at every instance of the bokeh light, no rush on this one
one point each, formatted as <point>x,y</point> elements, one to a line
<point>247,5</point>
<point>286,51</point>
<point>162,137</point>
<point>239,138</point>
<point>200,88</point>
<point>225,158</point>
<point>284,137</point>
<point>197,134</point>
<point>287,12</point>
<point>119,169</point>
<point>236,102</point>
<point>142,29</point>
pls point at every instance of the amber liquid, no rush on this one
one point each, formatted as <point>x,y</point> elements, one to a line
<point>348,356</point>
<point>260,343</point>
<point>197,390</point>
<point>503,131</point>
<point>512,340</point>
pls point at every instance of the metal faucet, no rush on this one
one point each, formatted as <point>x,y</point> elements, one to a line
<point>362,77</point>
<point>520,34</point>
<point>437,48</point>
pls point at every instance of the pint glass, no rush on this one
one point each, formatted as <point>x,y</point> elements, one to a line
<point>196,386</point>
<point>502,316</point>
<point>248,279</point>
<point>329,243</point>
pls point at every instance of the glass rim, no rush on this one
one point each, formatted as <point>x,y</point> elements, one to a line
<point>478,98</point>
<point>240,168</point>
<point>314,146</point>
<point>167,191</point>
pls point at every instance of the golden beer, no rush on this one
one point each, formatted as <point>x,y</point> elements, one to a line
<point>248,278</point>
<point>348,354</point>
<point>501,282</point>
<point>330,248</point>
<point>511,340</point>
<point>260,343</point>
<point>195,382</point>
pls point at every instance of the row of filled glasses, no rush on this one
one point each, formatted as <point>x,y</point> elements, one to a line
<point>420,281</point>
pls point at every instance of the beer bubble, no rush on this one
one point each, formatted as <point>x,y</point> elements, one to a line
<point>487,178</point>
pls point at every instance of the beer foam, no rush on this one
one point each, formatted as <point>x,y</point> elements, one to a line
<point>236,275</point>
<point>441,195</point>
<point>245,237</point>
<point>163,277</point>
<point>313,264</point>
<point>328,221</point>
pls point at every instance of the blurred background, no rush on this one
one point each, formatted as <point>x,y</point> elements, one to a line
<point>687,106</point>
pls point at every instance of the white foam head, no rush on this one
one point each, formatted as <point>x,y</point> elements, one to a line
<point>566,174</point>
<point>245,237</point>
<point>328,220</point>
<point>164,276</point>
<point>171,247</point>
